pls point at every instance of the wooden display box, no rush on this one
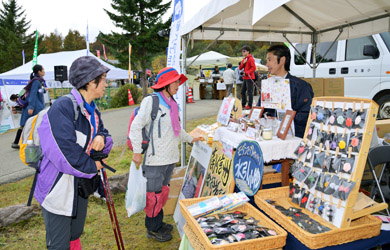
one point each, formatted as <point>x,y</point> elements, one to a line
<point>362,228</point>
<point>203,242</point>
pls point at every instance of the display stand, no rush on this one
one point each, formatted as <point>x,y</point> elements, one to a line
<point>340,130</point>
<point>357,174</point>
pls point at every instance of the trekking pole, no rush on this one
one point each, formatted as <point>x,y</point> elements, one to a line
<point>99,156</point>
<point>110,205</point>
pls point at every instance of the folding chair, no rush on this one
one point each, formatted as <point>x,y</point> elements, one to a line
<point>379,155</point>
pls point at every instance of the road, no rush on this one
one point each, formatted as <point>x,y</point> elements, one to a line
<point>116,121</point>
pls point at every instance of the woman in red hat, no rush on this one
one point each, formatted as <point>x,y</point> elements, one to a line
<point>166,136</point>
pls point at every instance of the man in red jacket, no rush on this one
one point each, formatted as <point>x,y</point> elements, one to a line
<point>248,63</point>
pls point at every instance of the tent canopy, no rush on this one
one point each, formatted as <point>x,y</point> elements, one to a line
<point>299,20</point>
<point>48,61</point>
<point>210,57</point>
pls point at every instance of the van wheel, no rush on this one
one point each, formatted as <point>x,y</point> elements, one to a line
<point>384,107</point>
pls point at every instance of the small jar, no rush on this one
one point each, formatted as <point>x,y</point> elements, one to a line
<point>267,133</point>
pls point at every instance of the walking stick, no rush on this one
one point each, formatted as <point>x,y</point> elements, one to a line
<point>110,205</point>
<point>99,156</point>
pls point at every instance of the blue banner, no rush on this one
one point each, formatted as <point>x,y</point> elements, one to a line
<point>13,82</point>
<point>248,166</point>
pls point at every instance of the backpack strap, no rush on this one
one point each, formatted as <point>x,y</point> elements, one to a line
<point>155,108</point>
<point>75,107</point>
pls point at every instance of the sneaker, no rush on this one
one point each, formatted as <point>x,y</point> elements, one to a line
<point>160,235</point>
<point>167,227</point>
<point>15,146</point>
<point>247,107</point>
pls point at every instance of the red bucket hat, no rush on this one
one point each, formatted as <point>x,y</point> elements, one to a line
<point>167,76</point>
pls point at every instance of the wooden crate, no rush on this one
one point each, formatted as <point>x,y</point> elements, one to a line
<point>270,242</point>
<point>362,228</point>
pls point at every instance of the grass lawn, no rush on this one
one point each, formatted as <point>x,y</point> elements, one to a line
<point>98,232</point>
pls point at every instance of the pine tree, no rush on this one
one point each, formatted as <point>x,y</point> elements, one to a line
<point>14,37</point>
<point>140,21</point>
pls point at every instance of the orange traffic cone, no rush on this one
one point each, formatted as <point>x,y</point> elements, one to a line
<point>190,100</point>
<point>131,101</point>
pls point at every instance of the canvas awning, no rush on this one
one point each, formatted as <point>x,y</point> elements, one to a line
<point>299,20</point>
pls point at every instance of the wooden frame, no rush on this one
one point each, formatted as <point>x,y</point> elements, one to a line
<point>286,124</point>
<point>255,112</point>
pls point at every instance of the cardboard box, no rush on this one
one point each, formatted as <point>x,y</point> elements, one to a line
<point>317,84</point>
<point>334,87</point>
<point>382,127</point>
<point>174,190</point>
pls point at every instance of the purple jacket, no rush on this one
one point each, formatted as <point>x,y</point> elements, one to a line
<point>66,145</point>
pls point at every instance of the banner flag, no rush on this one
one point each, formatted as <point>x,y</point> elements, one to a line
<point>129,62</point>
<point>104,52</point>
<point>87,41</point>
<point>24,58</point>
<point>35,55</point>
<point>98,53</point>
<point>174,49</point>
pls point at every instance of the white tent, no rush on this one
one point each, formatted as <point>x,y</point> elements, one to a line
<point>210,57</point>
<point>48,61</point>
<point>299,20</point>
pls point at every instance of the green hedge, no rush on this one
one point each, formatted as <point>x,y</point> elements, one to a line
<point>120,99</point>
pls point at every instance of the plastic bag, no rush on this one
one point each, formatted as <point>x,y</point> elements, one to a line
<point>136,191</point>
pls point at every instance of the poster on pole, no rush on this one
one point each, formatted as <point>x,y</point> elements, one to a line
<point>219,176</point>
<point>275,93</point>
<point>248,166</point>
<point>193,179</point>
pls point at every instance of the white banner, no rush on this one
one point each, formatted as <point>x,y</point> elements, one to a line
<point>174,49</point>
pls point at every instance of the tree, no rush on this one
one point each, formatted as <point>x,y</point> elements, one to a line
<point>14,37</point>
<point>159,62</point>
<point>53,42</point>
<point>140,21</point>
<point>74,41</point>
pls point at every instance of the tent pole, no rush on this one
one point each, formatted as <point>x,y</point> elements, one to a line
<point>285,37</point>
<point>222,32</point>
<point>184,87</point>
<point>313,51</point>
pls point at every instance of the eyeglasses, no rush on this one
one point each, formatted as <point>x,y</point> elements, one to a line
<point>243,51</point>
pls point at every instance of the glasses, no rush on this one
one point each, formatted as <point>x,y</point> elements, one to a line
<point>243,51</point>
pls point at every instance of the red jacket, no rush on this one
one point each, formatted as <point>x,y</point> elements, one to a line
<point>250,67</point>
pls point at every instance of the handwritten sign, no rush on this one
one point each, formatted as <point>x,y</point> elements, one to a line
<point>248,167</point>
<point>219,173</point>
<point>225,110</point>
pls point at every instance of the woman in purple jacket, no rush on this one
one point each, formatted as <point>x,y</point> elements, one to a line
<point>66,146</point>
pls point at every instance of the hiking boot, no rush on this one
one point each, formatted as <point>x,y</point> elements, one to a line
<point>160,235</point>
<point>15,146</point>
<point>167,227</point>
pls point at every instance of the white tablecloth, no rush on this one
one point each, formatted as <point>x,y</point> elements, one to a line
<point>275,149</point>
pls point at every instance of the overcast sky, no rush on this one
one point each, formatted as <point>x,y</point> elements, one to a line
<point>48,15</point>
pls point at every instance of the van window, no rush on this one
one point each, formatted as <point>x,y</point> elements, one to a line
<point>321,50</point>
<point>302,48</point>
<point>355,47</point>
<point>386,38</point>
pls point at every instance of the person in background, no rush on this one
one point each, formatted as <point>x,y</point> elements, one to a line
<point>278,63</point>
<point>201,73</point>
<point>34,96</point>
<point>216,70</point>
<point>239,81</point>
<point>163,152</point>
<point>248,64</point>
<point>67,169</point>
<point>228,79</point>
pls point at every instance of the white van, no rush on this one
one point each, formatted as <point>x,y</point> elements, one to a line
<point>364,63</point>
